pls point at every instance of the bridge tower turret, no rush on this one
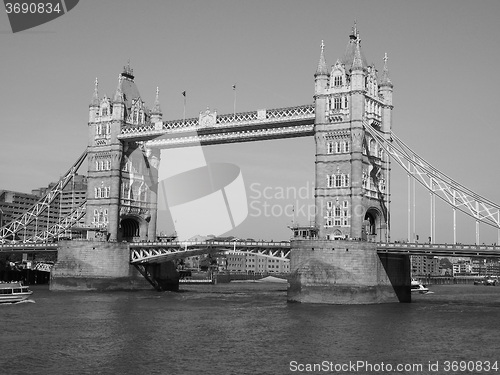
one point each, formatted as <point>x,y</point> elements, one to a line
<point>351,171</point>
<point>385,93</point>
<point>122,176</point>
<point>321,84</point>
<point>351,192</point>
<point>94,104</point>
<point>357,94</point>
<point>156,114</point>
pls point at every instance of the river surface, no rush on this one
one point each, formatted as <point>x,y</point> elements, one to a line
<point>247,328</point>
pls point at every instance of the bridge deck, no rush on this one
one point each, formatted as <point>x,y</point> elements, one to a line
<point>28,247</point>
<point>486,251</point>
<point>151,252</point>
<point>143,250</point>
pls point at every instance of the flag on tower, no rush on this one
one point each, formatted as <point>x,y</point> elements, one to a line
<point>234,87</point>
<point>184,93</point>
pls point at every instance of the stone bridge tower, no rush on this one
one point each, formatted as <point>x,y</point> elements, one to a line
<point>342,265</point>
<point>352,194</point>
<point>122,176</point>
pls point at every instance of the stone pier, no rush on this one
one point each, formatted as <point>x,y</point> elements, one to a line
<point>163,276</point>
<point>346,272</point>
<point>95,265</point>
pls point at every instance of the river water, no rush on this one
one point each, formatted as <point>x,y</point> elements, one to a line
<point>247,328</point>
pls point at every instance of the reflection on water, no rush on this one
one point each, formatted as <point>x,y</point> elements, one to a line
<point>239,329</point>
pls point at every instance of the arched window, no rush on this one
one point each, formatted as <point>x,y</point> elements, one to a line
<point>338,180</point>
<point>329,148</point>
<point>337,103</point>
<point>345,146</point>
<point>345,180</point>
<point>345,213</point>
<point>330,180</point>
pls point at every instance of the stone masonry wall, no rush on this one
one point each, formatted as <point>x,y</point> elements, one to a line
<point>94,265</point>
<point>338,272</point>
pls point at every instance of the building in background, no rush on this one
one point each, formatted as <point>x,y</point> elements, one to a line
<point>14,204</point>
<point>462,268</point>
<point>422,265</point>
<point>485,267</point>
<point>240,261</point>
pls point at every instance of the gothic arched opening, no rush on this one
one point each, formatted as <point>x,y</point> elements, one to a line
<point>337,235</point>
<point>129,228</point>
<point>370,219</point>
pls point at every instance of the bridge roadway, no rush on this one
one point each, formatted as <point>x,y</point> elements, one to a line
<point>142,252</point>
<point>160,252</point>
<point>21,247</point>
<point>155,252</point>
<point>444,250</point>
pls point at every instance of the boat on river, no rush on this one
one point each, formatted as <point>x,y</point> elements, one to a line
<point>13,292</point>
<point>418,287</point>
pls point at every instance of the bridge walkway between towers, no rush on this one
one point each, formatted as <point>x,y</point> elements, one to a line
<point>211,128</point>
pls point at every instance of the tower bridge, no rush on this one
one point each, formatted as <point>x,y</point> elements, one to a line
<point>346,257</point>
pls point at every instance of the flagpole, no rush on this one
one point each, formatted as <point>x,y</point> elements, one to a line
<point>234,101</point>
<point>184,112</point>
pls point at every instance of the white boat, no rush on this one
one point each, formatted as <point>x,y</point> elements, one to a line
<point>418,287</point>
<point>13,292</point>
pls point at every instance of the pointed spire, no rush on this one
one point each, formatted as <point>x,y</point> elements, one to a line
<point>357,62</point>
<point>385,80</point>
<point>322,69</point>
<point>156,108</point>
<point>95,97</point>
<point>119,93</point>
<point>350,52</point>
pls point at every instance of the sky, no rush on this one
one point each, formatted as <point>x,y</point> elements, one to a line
<point>443,59</point>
